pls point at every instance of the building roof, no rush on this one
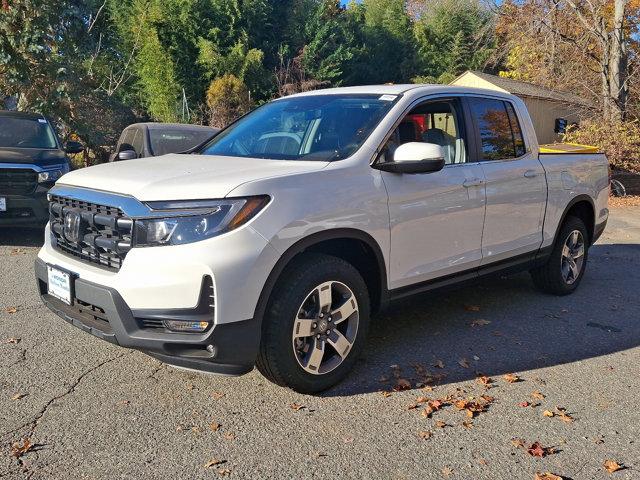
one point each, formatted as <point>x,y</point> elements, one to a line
<point>526,89</point>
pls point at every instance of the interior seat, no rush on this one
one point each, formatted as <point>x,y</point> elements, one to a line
<point>439,137</point>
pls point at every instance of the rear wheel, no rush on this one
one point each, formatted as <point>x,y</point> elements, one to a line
<point>563,271</point>
<point>315,325</point>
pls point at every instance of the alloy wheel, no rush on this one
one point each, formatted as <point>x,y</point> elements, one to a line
<point>325,327</point>
<point>572,259</point>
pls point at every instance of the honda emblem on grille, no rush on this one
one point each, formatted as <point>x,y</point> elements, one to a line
<point>71,228</point>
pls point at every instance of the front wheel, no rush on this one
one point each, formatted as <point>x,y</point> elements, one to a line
<point>563,271</point>
<point>315,325</point>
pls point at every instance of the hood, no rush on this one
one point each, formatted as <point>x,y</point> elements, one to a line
<point>182,177</point>
<point>37,156</point>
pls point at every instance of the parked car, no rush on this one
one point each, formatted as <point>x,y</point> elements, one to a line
<point>142,140</point>
<point>31,160</point>
<point>275,245</point>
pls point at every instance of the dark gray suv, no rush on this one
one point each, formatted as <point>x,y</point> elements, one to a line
<point>154,139</point>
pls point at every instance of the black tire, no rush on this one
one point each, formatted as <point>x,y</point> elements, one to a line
<point>549,277</point>
<point>276,359</point>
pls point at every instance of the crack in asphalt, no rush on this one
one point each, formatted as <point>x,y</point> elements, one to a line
<point>34,423</point>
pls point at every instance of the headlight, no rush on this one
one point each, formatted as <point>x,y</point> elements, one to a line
<point>54,174</point>
<point>50,176</point>
<point>192,221</point>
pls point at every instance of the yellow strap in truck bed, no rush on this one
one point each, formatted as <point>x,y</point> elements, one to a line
<point>568,148</point>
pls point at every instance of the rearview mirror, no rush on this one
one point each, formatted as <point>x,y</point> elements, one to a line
<point>127,155</point>
<point>415,157</point>
<point>73,147</point>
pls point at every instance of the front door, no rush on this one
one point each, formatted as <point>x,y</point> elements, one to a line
<point>436,218</point>
<point>516,188</point>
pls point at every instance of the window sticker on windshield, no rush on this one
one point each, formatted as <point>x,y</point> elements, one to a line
<point>42,120</point>
<point>388,98</point>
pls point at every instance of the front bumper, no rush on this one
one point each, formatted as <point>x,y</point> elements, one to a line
<point>228,348</point>
<point>26,210</point>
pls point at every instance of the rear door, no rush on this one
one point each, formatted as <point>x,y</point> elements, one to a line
<point>516,188</point>
<point>436,218</point>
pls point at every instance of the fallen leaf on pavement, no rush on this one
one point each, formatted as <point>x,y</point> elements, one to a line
<point>124,402</point>
<point>484,380</point>
<point>564,416</point>
<point>511,378</point>
<point>402,384</point>
<point>18,396</point>
<point>441,424</point>
<point>463,362</point>
<point>385,394</point>
<point>446,471</point>
<point>224,472</point>
<point>14,341</point>
<point>11,309</point>
<point>214,426</point>
<point>612,466</point>
<point>517,442</point>
<point>217,395</point>
<point>480,322</point>
<point>547,476</point>
<point>425,434</point>
<point>213,462</point>
<point>296,406</point>
<point>548,413</point>
<point>230,436</point>
<point>439,364</point>
<point>348,440</point>
<point>467,424</point>
<point>472,308</point>
<point>524,404</point>
<point>18,450</point>
<point>537,450</point>
<point>537,395</point>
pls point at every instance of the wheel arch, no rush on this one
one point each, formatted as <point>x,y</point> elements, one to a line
<point>352,245</point>
<point>581,206</point>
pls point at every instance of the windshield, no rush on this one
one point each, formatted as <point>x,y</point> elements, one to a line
<point>26,133</point>
<point>314,127</point>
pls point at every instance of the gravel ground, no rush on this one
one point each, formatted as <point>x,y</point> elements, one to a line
<point>93,410</point>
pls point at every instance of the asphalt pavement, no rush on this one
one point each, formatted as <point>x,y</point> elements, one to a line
<point>91,410</point>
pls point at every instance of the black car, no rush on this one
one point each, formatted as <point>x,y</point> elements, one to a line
<point>31,160</point>
<point>154,139</point>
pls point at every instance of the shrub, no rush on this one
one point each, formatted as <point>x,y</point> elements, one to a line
<point>621,142</point>
<point>227,99</point>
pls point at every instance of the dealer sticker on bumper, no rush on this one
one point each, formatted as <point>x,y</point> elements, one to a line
<point>59,284</point>
<point>3,204</point>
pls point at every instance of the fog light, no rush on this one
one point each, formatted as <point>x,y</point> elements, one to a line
<point>186,326</point>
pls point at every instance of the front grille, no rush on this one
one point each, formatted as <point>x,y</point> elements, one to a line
<point>104,232</point>
<point>18,181</point>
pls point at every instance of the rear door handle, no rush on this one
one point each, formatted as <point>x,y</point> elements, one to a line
<point>530,174</point>
<point>472,183</point>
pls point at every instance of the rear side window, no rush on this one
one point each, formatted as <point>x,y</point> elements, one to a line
<point>177,140</point>
<point>500,134</point>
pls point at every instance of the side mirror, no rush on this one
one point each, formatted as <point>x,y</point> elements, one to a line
<point>415,157</point>
<point>127,155</point>
<point>73,147</point>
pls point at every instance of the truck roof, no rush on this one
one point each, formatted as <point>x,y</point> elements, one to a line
<point>414,88</point>
<point>14,114</point>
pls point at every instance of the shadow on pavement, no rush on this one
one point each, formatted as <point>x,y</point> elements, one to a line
<point>528,329</point>
<point>22,236</point>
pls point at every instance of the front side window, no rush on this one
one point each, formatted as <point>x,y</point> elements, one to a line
<point>431,122</point>
<point>314,127</point>
<point>16,132</point>
<point>500,137</point>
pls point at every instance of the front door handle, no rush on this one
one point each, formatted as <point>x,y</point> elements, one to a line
<point>475,182</point>
<point>530,174</point>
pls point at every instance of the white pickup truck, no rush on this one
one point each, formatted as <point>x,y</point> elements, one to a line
<point>273,244</point>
